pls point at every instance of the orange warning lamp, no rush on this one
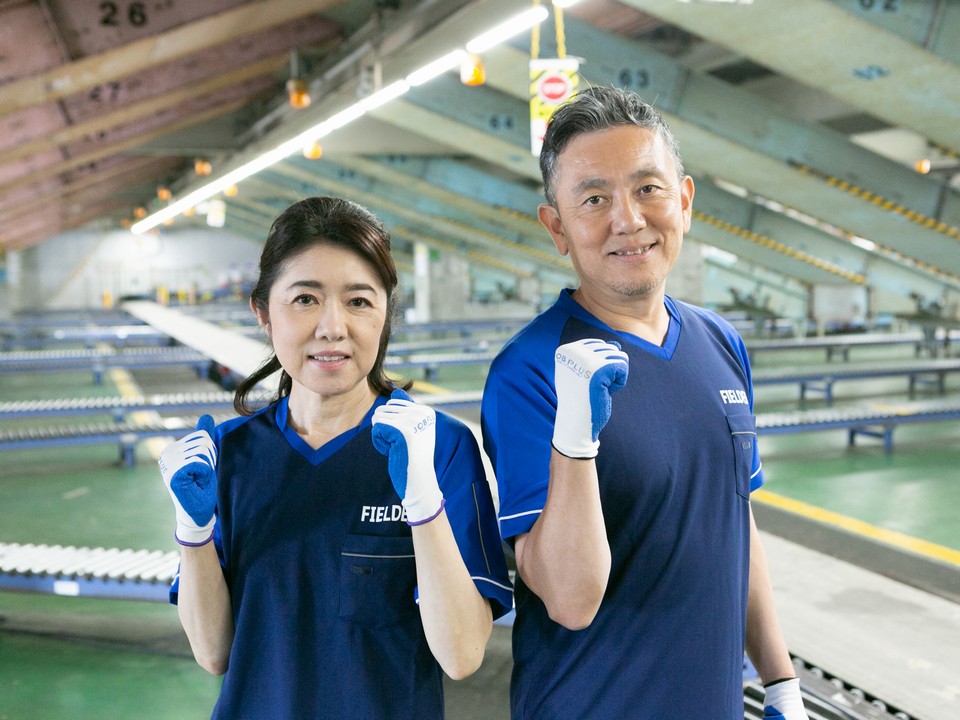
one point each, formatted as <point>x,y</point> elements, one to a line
<point>472,71</point>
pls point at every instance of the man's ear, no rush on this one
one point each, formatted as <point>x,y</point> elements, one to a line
<point>686,202</point>
<point>263,320</point>
<point>550,219</point>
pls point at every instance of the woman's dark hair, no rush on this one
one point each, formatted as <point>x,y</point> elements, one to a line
<point>332,221</point>
<point>598,108</point>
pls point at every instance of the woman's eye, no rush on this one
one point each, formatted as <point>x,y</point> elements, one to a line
<point>303,300</point>
<point>360,302</point>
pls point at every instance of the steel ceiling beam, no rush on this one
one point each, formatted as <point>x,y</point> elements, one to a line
<point>142,55</point>
<point>838,50</point>
<point>147,108</point>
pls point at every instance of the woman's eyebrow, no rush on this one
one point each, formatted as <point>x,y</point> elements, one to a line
<point>317,285</point>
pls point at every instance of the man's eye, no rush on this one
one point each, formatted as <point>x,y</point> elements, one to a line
<point>593,200</point>
<point>647,189</point>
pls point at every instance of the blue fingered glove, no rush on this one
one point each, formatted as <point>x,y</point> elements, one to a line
<point>586,374</point>
<point>783,701</point>
<point>189,471</point>
<point>406,433</point>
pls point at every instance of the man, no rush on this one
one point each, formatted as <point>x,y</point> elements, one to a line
<point>640,571</point>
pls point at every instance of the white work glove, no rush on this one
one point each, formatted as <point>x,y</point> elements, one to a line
<point>586,374</point>
<point>783,701</point>
<point>189,471</point>
<point>406,433</point>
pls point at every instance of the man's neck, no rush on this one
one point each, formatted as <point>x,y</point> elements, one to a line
<point>646,316</point>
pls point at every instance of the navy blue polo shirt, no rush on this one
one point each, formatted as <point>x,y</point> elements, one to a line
<point>320,566</point>
<point>676,465</point>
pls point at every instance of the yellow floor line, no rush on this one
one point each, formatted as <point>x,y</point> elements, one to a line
<point>859,527</point>
<point>127,387</point>
<point>424,387</point>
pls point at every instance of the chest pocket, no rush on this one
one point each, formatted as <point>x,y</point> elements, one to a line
<point>743,433</point>
<point>378,576</point>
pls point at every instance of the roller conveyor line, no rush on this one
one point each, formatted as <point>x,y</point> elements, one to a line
<point>80,356</point>
<point>931,372</point>
<point>220,400</point>
<point>97,361</point>
<point>116,335</point>
<point>87,572</point>
<point>431,363</point>
<point>824,699</point>
<point>877,421</point>
<point>463,327</point>
<point>842,344</point>
<point>125,434</point>
<point>146,575</point>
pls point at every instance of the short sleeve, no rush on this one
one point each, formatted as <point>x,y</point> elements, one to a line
<point>470,510</point>
<point>517,418</point>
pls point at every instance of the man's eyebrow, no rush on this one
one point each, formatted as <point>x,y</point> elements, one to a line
<point>590,183</point>
<point>594,183</point>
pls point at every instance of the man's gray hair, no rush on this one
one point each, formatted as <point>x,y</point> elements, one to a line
<point>598,108</point>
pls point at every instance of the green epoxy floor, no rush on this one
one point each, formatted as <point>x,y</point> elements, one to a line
<point>70,658</point>
<point>914,490</point>
<point>75,658</point>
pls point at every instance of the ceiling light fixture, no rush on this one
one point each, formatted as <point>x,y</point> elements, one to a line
<point>297,94</point>
<point>514,26</point>
<point>472,71</point>
<point>436,68</point>
<point>313,151</point>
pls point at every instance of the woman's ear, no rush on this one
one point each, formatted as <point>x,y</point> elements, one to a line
<point>263,319</point>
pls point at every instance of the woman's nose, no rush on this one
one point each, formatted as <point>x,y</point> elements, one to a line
<point>330,323</point>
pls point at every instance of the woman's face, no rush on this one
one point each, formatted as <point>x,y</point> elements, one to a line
<point>326,314</point>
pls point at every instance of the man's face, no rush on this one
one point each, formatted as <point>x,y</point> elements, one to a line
<point>621,213</point>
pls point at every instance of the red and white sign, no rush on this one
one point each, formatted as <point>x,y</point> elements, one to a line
<point>553,81</point>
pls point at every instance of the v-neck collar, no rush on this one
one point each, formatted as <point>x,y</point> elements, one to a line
<point>318,455</point>
<point>664,351</point>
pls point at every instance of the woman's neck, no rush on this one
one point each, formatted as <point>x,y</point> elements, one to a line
<point>319,419</point>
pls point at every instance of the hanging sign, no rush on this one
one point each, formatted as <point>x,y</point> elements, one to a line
<point>553,81</point>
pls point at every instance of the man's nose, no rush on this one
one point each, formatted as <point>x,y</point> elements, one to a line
<point>628,214</point>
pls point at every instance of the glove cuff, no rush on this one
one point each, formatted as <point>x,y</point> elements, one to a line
<point>414,523</point>
<point>575,451</point>
<point>193,536</point>
<point>423,502</point>
<point>784,698</point>
<point>572,436</point>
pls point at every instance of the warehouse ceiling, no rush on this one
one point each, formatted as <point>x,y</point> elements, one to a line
<point>801,122</point>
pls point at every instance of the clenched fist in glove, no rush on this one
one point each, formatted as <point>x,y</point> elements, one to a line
<point>189,470</point>
<point>587,373</point>
<point>783,701</point>
<point>406,433</point>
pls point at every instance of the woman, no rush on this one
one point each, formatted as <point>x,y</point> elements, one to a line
<point>356,547</point>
